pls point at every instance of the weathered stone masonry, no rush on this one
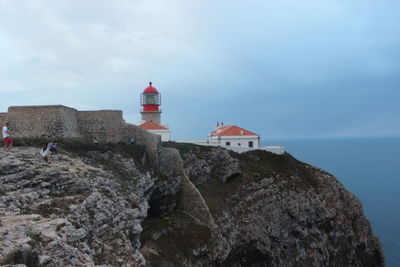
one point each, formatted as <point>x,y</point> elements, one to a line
<point>61,121</point>
<point>43,121</point>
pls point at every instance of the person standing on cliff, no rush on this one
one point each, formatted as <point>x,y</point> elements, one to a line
<point>7,140</point>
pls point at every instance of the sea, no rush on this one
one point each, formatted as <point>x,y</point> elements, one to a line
<point>367,167</point>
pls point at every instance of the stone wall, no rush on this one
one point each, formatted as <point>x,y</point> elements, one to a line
<point>69,118</point>
<point>105,125</point>
<point>61,121</point>
<point>36,121</point>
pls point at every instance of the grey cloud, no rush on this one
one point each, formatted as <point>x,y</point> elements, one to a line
<point>280,68</point>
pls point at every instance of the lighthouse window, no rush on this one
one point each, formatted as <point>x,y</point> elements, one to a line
<point>151,99</point>
<point>250,143</point>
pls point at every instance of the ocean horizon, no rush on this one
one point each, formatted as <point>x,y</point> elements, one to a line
<point>367,167</point>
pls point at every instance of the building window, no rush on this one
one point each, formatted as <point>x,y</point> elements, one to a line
<point>227,143</point>
<point>239,144</point>
<point>250,143</point>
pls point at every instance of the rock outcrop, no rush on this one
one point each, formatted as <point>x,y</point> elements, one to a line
<point>272,210</point>
<point>147,205</point>
<point>71,211</point>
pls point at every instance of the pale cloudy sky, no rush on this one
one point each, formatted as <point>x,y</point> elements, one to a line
<point>281,68</point>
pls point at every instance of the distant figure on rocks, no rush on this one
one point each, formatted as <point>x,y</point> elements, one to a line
<point>95,141</point>
<point>132,140</point>
<point>45,153</point>
<point>8,142</point>
<point>53,147</point>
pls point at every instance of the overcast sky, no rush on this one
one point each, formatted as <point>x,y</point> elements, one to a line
<point>280,68</point>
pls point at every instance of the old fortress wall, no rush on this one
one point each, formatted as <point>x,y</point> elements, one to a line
<point>61,121</point>
<point>43,121</point>
<point>105,125</point>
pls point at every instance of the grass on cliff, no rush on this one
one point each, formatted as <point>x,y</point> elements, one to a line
<point>185,148</point>
<point>175,237</point>
<point>286,171</point>
<point>298,176</point>
<point>35,239</point>
<point>58,206</point>
<point>257,163</point>
<point>81,146</point>
<point>25,256</point>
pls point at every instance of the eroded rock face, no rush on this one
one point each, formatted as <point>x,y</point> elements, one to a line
<point>281,212</point>
<point>73,211</point>
<point>210,208</point>
<point>202,165</point>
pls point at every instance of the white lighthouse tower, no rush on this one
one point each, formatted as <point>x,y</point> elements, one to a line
<point>150,100</point>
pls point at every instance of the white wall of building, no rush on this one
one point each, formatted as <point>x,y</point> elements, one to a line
<point>235,140</point>
<point>165,134</point>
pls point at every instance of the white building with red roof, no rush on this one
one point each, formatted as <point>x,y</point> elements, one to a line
<point>157,129</point>
<point>234,136</point>
<point>237,139</point>
<point>150,101</point>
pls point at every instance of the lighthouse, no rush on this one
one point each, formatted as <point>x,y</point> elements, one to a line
<point>150,100</point>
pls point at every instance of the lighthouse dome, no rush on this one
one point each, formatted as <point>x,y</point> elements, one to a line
<point>150,89</point>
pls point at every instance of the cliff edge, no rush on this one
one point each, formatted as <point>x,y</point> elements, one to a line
<point>122,205</point>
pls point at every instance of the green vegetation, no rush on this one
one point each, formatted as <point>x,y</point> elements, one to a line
<point>21,256</point>
<point>177,236</point>
<point>57,206</point>
<point>185,148</point>
<point>46,179</point>
<point>1,171</point>
<point>35,239</point>
<point>120,235</point>
<point>30,141</point>
<point>259,164</point>
<point>80,147</point>
<point>30,175</point>
<point>288,172</point>
<point>217,194</point>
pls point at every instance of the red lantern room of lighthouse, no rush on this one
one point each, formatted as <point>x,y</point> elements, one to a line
<point>151,100</point>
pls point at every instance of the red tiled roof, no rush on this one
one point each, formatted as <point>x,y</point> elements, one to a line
<point>231,130</point>
<point>149,125</point>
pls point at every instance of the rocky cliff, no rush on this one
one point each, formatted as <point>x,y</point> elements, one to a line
<point>115,205</point>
